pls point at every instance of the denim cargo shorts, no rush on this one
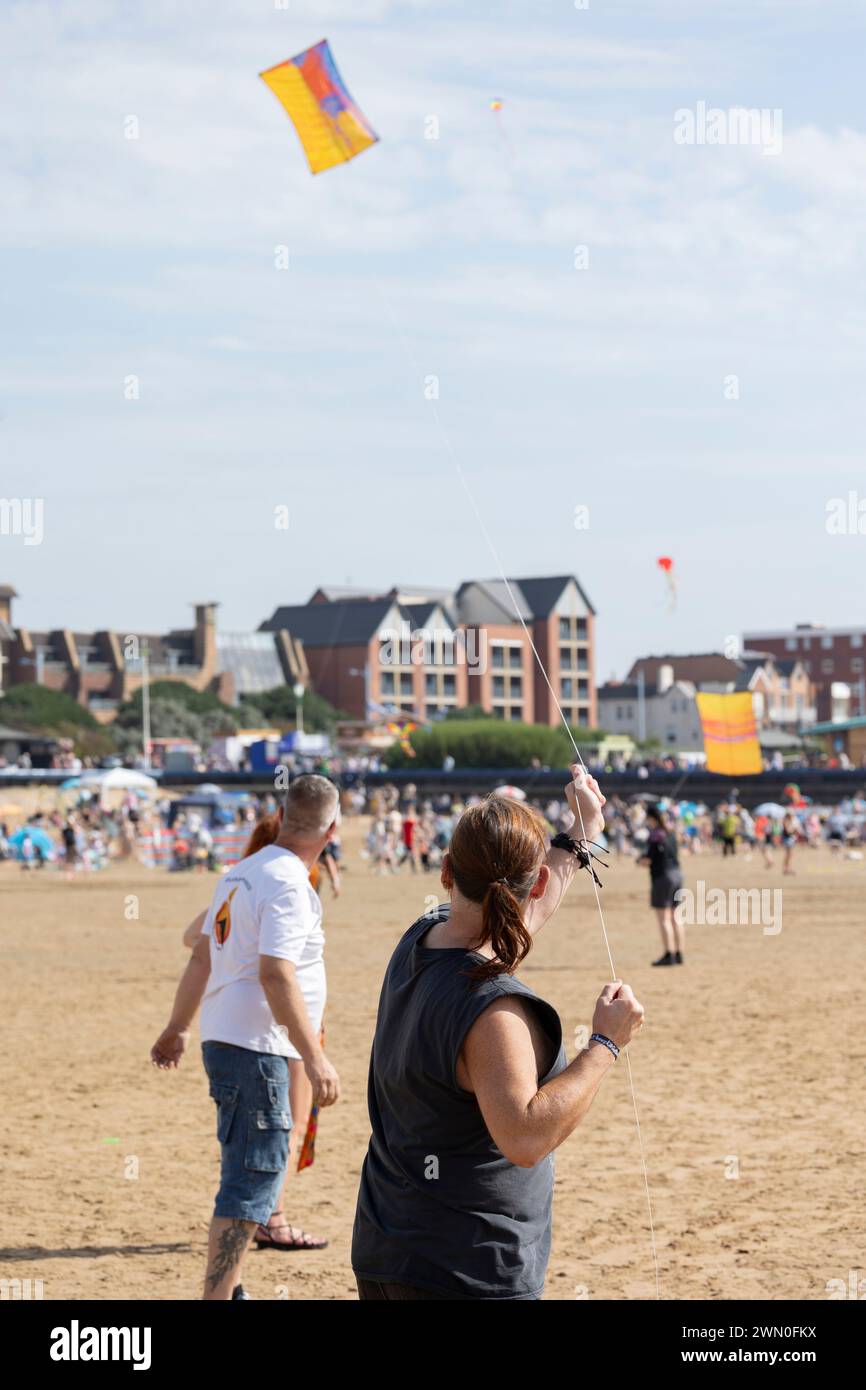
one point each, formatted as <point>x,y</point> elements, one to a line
<point>251,1091</point>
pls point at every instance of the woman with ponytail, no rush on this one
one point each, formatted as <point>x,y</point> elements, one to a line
<point>469,1092</point>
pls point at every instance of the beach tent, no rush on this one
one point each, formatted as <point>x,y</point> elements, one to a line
<point>118,779</point>
<point>39,838</point>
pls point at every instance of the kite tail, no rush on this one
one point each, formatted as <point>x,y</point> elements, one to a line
<point>307,1155</point>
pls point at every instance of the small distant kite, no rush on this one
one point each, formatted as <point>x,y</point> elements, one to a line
<point>496,106</point>
<point>331,128</point>
<point>666,564</point>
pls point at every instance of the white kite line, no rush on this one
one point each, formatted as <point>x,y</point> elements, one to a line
<point>491,546</point>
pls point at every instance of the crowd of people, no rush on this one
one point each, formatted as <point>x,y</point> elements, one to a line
<point>413,831</point>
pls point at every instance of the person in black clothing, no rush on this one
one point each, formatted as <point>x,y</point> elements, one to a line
<point>470,1092</point>
<point>69,845</point>
<point>666,878</point>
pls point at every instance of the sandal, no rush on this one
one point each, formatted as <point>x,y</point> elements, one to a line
<point>298,1239</point>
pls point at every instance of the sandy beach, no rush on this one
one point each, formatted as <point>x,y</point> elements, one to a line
<point>749,1077</point>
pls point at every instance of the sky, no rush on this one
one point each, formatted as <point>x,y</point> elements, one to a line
<point>669,335</point>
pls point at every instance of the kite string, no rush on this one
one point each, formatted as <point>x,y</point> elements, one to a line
<point>449,449</point>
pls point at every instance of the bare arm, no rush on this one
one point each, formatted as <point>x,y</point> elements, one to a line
<point>501,1057</point>
<point>283,993</point>
<point>585,799</point>
<point>174,1039</point>
<point>192,935</point>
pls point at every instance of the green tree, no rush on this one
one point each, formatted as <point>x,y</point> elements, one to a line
<point>279,707</point>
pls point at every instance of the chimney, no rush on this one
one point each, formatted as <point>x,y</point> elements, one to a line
<point>204,636</point>
<point>664,678</point>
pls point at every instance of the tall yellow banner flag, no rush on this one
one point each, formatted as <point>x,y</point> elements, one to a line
<point>730,734</point>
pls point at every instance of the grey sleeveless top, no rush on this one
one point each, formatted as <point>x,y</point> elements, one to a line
<point>439,1206</point>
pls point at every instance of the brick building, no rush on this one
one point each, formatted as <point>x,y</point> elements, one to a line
<point>102,669</point>
<point>782,690</point>
<point>657,698</point>
<point>423,651</point>
<point>561,622</point>
<point>365,650</point>
<point>832,657</point>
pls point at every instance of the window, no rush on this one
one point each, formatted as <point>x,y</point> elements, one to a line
<point>406,683</point>
<point>827,644</point>
<point>432,711</point>
<point>386,683</point>
<point>573,630</point>
<point>565,655</point>
<point>497,656</point>
<point>857,639</point>
<point>499,687</point>
<point>567,685</point>
<point>790,644</point>
<point>515,658</point>
<point>827,668</point>
<point>430,684</point>
<point>856,663</point>
<point>516,688</point>
<point>516,712</point>
<point>449,684</point>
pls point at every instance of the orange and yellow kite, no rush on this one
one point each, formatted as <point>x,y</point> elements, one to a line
<point>331,128</point>
<point>730,734</point>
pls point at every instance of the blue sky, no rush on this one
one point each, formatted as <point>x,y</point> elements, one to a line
<point>454,257</point>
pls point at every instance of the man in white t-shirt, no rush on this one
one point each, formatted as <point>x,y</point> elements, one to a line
<point>258,972</point>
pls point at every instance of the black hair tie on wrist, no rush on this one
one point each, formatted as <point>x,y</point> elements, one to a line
<point>582,853</point>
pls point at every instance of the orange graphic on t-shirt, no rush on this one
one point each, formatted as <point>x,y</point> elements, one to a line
<point>222,923</point>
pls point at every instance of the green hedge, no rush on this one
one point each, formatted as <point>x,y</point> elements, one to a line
<point>37,707</point>
<point>490,743</point>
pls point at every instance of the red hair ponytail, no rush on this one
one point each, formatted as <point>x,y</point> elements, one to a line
<point>264,833</point>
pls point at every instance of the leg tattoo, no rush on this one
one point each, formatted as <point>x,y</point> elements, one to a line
<point>232,1243</point>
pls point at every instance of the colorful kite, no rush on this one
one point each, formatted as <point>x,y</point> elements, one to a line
<point>496,106</point>
<point>730,735</point>
<point>331,128</point>
<point>307,1155</point>
<point>402,732</point>
<point>308,1149</point>
<point>665,563</point>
